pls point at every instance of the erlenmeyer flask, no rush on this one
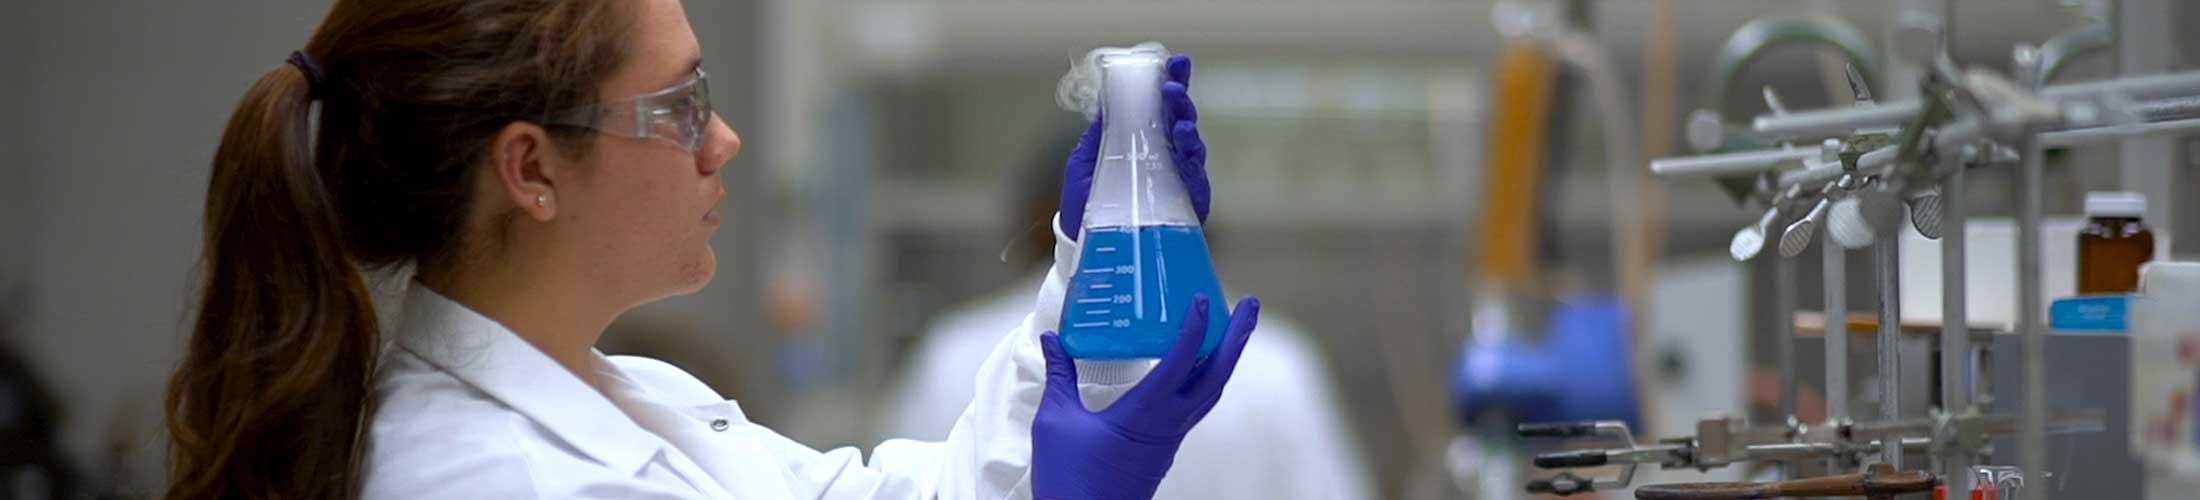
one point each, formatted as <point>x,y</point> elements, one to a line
<point>1143,255</point>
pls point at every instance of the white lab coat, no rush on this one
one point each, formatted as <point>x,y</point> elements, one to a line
<point>469,410</point>
<point>1277,433</point>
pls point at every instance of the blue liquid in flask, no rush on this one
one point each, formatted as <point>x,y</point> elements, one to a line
<point>1131,291</point>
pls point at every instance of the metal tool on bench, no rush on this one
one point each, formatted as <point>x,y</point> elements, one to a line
<point>1878,482</point>
<point>1724,441</point>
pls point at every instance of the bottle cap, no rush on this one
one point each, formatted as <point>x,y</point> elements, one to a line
<point>2115,204</point>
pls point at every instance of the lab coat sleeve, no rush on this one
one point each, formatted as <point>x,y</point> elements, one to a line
<point>987,455</point>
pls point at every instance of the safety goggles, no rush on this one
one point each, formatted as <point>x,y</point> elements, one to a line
<point>680,113</point>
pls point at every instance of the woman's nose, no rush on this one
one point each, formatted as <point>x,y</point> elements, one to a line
<point>720,145</point>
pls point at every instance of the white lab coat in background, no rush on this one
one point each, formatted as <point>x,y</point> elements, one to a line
<point>1277,433</point>
<point>469,410</point>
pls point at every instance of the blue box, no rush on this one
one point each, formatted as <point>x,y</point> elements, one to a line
<point>2091,313</point>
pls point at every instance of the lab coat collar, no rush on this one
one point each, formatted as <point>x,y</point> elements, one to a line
<point>484,354</point>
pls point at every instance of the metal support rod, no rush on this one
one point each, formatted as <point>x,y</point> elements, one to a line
<point>1784,282</point>
<point>1954,134</point>
<point>2073,137</point>
<point>1783,298</point>
<point>2141,86</point>
<point>1829,123</point>
<point>1837,334</point>
<point>2169,109</point>
<point>1955,331</point>
<point>2032,421</point>
<point>2031,433</point>
<point>2031,430</point>
<point>1888,261</point>
<point>1837,326</point>
<point>1837,122</point>
<point>2145,36</point>
<point>1714,165</point>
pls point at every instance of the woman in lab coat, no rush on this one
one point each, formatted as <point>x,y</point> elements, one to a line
<point>547,165</point>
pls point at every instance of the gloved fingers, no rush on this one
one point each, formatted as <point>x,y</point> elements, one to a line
<point>1176,365</point>
<point>1077,174</point>
<point>1180,68</point>
<point>1191,166</point>
<point>1061,372</point>
<point>1184,124</point>
<point>1176,99</point>
<point>1215,373</point>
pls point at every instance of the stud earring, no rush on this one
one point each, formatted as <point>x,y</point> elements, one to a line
<point>542,200</point>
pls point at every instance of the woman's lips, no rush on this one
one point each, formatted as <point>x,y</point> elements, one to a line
<point>711,217</point>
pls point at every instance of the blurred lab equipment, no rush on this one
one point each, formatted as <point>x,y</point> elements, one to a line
<point>1880,161</point>
<point>2165,374</point>
<point>1577,367</point>
<point>1835,211</point>
<point>1143,255</point>
<point>1997,483</point>
<point>1532,354</point>
<point>1989,243</point>
<point>1881,483</point>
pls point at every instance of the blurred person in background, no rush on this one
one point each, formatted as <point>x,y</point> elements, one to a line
<point>1276,435</point>
<point>546,166</point>
<point>32,463</point>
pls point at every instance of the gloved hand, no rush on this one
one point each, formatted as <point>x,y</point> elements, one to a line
<point>1187,149</point>
<point>1578,370</point>
<point>1121,452</point>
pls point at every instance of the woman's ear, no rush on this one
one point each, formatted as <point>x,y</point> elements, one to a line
<point>525,163</point>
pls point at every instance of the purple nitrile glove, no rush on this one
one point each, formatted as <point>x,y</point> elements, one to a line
<point>1187,149</point>
<point>1122,452</point>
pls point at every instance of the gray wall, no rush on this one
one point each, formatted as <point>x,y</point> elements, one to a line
<point>16,176</point>
<point>126,102</point>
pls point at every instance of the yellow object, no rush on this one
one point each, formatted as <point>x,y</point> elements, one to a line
<point>1525,76</point>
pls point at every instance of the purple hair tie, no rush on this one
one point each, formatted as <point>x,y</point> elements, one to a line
<point>312,70</point>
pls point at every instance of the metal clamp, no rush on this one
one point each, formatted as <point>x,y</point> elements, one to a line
<point>1627,457</point>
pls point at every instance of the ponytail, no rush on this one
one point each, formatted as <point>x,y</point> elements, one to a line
<point>276,384</point>
<point>273,392</point>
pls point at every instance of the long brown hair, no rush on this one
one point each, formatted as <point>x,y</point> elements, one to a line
<point>275,388</point>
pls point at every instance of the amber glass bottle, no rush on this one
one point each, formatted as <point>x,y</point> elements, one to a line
<point>2114,243</point>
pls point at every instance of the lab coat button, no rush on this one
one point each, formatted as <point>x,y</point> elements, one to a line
<point>719,424</point>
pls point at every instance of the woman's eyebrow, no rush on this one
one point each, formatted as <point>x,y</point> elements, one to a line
<point>694,64</point>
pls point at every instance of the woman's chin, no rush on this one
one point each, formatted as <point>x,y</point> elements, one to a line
<point>695,276</point>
